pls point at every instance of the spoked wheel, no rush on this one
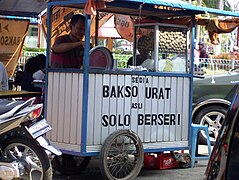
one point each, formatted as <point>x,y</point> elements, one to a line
<point>121,156</point>
<point>33,160</point>
<point>69,164</point>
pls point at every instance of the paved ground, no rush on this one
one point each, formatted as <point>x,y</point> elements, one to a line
<point>92,172</point>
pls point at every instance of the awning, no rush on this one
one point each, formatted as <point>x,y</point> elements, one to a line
<point>25,8</point>
<point>108,30</point>
<point>31,8</point>
<point>183,6</point>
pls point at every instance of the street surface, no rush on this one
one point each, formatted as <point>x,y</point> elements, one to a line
<point>92,172</point>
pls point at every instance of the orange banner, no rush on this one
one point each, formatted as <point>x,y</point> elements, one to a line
<point>103,18</point>
<point>61,20</point>
<point>12,36</point>
<point>125,26</point>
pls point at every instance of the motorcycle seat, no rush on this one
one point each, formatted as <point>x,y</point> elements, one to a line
<point>7,105</point>
<point>8,108</point>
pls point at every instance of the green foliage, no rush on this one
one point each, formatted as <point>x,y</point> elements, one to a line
<point>121,51</point>
<point>118,43</point>
<point>30,49</point>
<point>122,59</point>
<point>117,51</point>
<point>31,52</point>
<point>100,42</point>
<point>211,4</point>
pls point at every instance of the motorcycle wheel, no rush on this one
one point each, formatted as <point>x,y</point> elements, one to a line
<point>69,164</point>
<point>34,159</point>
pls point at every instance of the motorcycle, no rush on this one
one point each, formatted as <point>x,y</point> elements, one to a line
<point>24,151</point>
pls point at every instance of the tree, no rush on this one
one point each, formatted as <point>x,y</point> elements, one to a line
<point>218,4</point>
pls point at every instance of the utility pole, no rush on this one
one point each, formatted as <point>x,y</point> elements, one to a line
<point>234,6</point>
<point>198,27</point>
<point>219,5</point>
<point>234,34</point>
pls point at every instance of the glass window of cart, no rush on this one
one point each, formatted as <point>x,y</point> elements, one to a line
<point>68,30</point>
<point>164,47</point>
<point>67,38</point>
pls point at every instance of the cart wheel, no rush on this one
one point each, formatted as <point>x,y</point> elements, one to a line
<point>69,164</point>
<point>121,156</point>
<point>187,158</point>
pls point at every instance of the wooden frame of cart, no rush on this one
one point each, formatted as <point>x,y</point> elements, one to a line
<point>119,114</point>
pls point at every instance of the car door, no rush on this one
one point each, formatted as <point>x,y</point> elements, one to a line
<point>233,155</point>
<point>224,160</point>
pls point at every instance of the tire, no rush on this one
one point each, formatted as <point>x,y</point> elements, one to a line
<point>213,117</point>
<point>39,162</point>
<point>69,164</point>
<point>121,151</point>
<point>188,160</point>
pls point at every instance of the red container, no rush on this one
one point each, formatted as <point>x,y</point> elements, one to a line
<point>166,161</point>
<point>150,161</point>
<point>160,161</point>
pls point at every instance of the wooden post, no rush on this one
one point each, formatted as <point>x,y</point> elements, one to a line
<point>110,43</point>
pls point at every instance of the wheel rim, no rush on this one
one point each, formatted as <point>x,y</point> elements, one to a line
<point>122,157</point>
<point>187,158</point>
<point>214,122</point>
<point>33,168</point>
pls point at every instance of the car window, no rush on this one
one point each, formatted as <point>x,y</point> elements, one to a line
<point>233,163</point>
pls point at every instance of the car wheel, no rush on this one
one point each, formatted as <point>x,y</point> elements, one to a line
<point>213,117</point>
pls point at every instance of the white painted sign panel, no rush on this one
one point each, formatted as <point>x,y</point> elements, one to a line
<point>156,108</point>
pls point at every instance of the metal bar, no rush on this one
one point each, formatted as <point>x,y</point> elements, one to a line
<point>85,83</point>
<point>191,79</point>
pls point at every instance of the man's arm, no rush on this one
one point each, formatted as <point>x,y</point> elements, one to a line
<point>66,46</point>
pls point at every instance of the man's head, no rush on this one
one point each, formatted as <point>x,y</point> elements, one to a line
<point>142,45</point>
<point>201,45</point>
<point>77,26</point>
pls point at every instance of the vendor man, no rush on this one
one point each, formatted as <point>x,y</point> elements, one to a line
<point>143,52</point>
<point>68,50</point>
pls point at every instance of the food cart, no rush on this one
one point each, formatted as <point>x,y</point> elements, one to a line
<point>120,114</point>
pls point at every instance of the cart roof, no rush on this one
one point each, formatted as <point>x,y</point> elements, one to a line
<point>26,8</point>
<point>186,6</point>
<point>32,8</point>
<point>150,7</point>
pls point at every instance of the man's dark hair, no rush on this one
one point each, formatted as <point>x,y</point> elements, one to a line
<point>201,43</point>
<point>35,63</point>
<point>75,18</point>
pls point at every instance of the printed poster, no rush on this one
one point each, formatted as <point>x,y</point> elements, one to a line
<point>12,36</point>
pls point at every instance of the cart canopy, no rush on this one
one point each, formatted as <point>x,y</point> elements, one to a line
<point>32,8</point>
<point>25,8</point>
<point>183,6</point>
<point>167,8</point>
